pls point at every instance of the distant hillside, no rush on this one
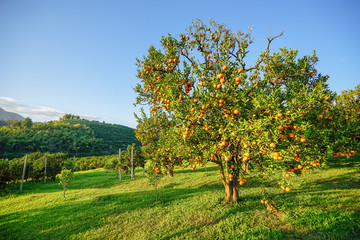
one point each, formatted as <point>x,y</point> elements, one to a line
<point>70,135</point>
<point>113,136</point>
<point>4,115</point>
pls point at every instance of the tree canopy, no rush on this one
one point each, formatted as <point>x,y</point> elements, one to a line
<point>207,103</point>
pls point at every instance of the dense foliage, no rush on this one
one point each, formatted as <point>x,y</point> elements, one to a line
<point>209,104</point>
<point>70,135</point>
<point>93,162</point>
<point>11,170</point>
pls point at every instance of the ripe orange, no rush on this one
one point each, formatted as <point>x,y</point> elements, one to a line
<point>235,111</point>
<point>272,145</point>
<point>302,139</point>
<point>242,181</point>
<point>224,68</point>
<point>287,189</point>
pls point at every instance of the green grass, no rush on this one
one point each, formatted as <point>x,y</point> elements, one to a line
<point>324,204</point>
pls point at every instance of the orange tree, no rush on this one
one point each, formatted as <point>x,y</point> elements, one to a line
<point>160,151</point>
<point>345,114</point>
<point>248,119</point>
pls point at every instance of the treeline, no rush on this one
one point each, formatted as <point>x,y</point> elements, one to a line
<point>11,170</point>
<point>70,135</point>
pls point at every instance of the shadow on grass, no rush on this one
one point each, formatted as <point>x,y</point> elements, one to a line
<point>69,218</point>
<point>344,181</point>
<point>343,162</point>
<point>229,211</point>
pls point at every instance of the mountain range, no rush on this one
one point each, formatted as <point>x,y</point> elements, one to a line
<point>4,115</point>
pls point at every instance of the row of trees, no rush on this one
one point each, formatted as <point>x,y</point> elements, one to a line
<point>11,170</point>
<point>207,104</point>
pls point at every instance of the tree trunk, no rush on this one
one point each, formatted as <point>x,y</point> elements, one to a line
<point>156,192</point>
<point>231,186</point>
<point>231,191</point>
<point>64,191</point>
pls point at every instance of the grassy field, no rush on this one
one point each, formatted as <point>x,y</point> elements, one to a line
<point>324,204</point>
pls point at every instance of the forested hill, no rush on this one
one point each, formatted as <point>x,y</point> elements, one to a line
<point>70,135</point>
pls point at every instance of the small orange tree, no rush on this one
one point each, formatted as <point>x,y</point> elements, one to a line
<point>248,119</point>
<point>160,151</point>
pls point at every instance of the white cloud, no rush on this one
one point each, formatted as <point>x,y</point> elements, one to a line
<point>38,113</point>
<point>8,100</point>
<point>92,118</point>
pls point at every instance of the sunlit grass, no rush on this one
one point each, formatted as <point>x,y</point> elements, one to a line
<point>324,204</point>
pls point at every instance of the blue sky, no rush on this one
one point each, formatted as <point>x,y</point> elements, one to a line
<point>78,57</point>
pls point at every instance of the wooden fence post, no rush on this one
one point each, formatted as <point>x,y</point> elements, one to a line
<point>119,164</point>
<point>132,162</point>
<point>45,169</point>
<point>29,170</point>
<point>23,175</point>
